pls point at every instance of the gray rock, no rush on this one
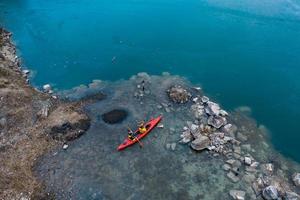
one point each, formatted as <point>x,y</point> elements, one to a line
<point>296,179</point>
<point>186,137</point>
<point>229,129</point>
<point>233,177</point>
<point>270,193</point>
<point>173,146</point>
<point>237,194</point>
<point>200,143</point>
<point>291,196</point>
<point>240,136</point>
<point>3,122</point>
<point>226,167</point>
<point>216,121</point>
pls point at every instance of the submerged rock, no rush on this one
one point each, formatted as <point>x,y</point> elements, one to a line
<point>216,121</point>
<point>237,194</point>
<point>178,94</point>
<point>291,196</point>
<point>114,116</point>
<point>270,193</point>
<point>200,143</point>
<point>296,179</point>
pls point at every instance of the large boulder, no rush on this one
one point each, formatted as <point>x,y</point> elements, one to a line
<point>237,194</point>
<point>200,143</point>
<point>216,121</point>
<point>296,179</point>
<point>178,94</point>
<point>270,193</point>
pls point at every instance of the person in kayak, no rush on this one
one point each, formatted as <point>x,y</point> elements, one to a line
<point>142,128</point>
<point>130,134</point>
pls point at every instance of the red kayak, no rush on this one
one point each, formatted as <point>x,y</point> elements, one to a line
<point>149,126</point>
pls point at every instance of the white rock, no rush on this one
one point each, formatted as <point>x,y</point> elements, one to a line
<point>65,146</point>
<point>237,194</point>
<point>173,146</point>
<point>247,160</point>
<point>47,87</point>
<point>160,126</point>
<point>25,71</point>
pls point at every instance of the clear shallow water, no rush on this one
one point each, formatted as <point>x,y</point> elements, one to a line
<point>243,53</point>
<point>91,168</point>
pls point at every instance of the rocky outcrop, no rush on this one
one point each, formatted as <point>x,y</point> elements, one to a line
<point>66,124</point>
<point>178,94</point>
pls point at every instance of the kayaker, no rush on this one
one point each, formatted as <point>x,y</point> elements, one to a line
<point>130,134</point>
<point>142,128</point>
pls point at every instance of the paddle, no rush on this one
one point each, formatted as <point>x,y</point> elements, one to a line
<point>140,143</point>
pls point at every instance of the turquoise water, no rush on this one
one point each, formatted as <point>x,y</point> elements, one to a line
<point>241,52</point>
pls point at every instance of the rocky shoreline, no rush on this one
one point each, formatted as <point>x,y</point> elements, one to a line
<point>212,131</point>
<point>46,122</point>
<point>31,123</point>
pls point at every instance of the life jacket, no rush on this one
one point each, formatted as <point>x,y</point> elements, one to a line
<point>142,129</point>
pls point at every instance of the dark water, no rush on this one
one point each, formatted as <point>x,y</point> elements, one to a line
<point>242,52</point>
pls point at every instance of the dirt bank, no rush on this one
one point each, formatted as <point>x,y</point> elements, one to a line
<point>31,123</point>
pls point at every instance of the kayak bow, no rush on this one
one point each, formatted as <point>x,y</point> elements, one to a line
<point>149,126</point>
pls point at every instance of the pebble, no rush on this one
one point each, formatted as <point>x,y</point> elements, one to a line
<point>160,126</point>
<point>173,146</point>
<point>65,146</point>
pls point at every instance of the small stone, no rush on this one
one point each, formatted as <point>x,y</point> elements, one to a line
<point>247,160</point>
<point>65,146</point>
<point>232,177</point>
<point>25,71</point>
<point>296,179</point>
<point>270,193</point>
<point>3,122</point>
<point>160,126</point>
<point>168,146</point>
<point>268,168</point>
<point>237,194</point>
<point>47,87</point>
<point>226,167</point>
<point>159,106</point>
<point>173,146</point>
<point>167,110</point>
<point>204,99</point>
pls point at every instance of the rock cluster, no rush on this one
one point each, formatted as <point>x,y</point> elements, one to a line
<point>210,130</point>
<point>178,94</point>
